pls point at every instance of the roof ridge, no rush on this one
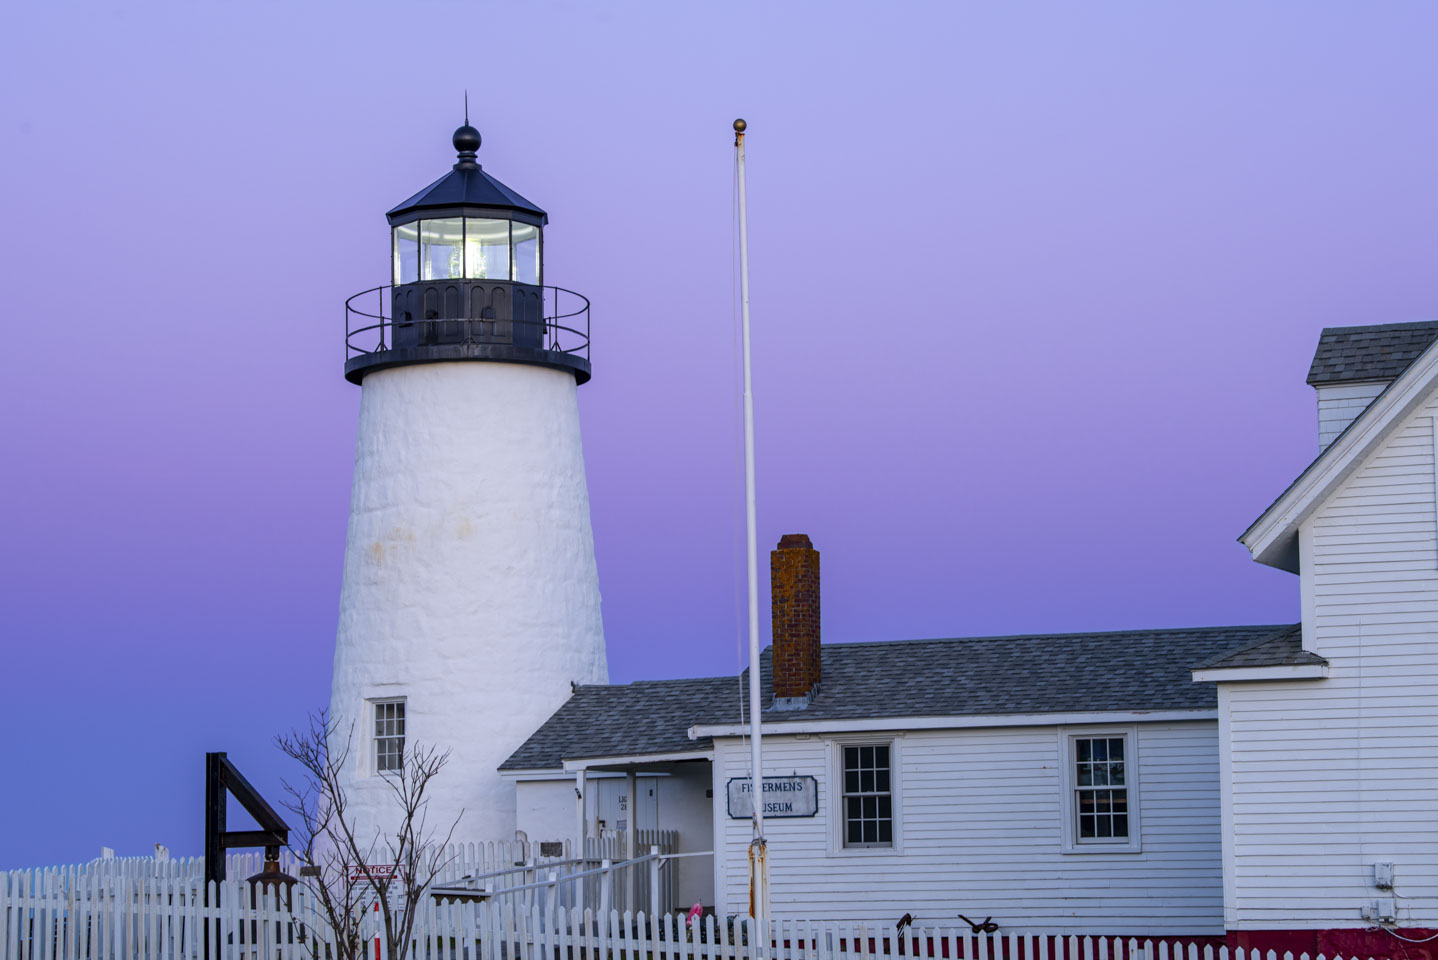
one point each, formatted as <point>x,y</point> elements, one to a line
<point>636,683</point>
<point>1057,636</point>
<point>1275,627</point>
<point>1378,327</point>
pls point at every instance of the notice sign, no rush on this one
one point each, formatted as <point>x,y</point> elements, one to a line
<point>783,797</point>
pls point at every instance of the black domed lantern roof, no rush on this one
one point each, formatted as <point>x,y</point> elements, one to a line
<point>467,260</point>
<point>467,185</point>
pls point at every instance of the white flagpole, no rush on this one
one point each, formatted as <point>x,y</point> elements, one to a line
<point>758,860</point>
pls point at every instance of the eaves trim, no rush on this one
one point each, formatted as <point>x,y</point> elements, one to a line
<point>1269,539</point>
<point>1287,671</point>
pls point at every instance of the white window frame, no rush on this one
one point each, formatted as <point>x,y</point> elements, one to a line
<point>835,805</point>
<point>371,741</point>
<point>1133,843</point>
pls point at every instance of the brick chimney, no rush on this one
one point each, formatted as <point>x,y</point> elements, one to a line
<point>794,585</point>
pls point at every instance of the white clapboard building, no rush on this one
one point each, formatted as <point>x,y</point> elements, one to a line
<point>1277,784</point>
<point>1274,784</point>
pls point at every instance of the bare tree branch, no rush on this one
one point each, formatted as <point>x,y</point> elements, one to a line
<point>344,875</point>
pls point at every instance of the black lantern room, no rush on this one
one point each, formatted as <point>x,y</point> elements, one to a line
<point>467,264</point>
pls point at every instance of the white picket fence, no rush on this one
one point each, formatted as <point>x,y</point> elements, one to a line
<point>116,910</point>
<point>173,919</point>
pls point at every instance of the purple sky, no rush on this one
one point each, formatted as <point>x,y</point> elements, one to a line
<point>1035,289</point>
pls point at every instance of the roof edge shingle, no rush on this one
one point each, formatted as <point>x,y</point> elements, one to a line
<point>1282,649</point>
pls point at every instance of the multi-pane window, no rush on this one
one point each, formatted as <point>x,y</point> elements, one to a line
<point>1101,783</point>
<point>868,798</point>
<point>389,735</point>
<point>476,248</point>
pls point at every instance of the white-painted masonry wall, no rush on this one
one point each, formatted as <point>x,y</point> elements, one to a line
<point>1339,404</point>
<point>980,827</point>
<point>470,587</point>
<point>1329,776</point>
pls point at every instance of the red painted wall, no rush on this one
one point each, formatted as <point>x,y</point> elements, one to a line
<point>1362,942</point>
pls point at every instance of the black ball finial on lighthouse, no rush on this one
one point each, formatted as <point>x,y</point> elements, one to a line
<point>467,141</point>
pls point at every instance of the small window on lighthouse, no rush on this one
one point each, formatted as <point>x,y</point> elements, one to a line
<point>389,736</point>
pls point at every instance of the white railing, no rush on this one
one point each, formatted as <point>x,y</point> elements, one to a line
<point>517,860</point>
<point>608,887</point>
<point>237,865</point>
<point>602,879</point>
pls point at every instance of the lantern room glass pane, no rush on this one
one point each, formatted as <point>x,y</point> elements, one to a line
<point>526,253</point>
<point>406,253</point>
<point>486,249</point>
<point>441,249</point>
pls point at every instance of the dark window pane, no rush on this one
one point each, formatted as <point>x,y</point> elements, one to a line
<point>1115,773</point>
<point>1115,748</point>
<point>886,831</point>
<point>881,756</point>
<point>1120,801</point>
<point>1085,775</point>
<point>856,809</point>
<point>1100,749</point>
<point>882,780</point>
<point>1103,826</point>
<point>1085,799</point>
<point>1084,754</point>
<point>856,832</point>
<point>851,758</point>
<point>886,807</point>
<point>851,781</point>
<point>1120,825</point>
<point>1086,826</point>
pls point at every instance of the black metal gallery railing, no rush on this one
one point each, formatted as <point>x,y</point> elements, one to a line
<point>476,312</point>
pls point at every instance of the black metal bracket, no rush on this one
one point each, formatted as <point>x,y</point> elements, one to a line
<point>222,778</point>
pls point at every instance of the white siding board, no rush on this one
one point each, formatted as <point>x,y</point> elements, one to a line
<point>980,813</point>
<point>1329,776</point>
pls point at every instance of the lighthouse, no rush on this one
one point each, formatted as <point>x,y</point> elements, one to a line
<point>470,601</point>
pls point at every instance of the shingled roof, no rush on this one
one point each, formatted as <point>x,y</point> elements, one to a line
<point>1282,649</point>
<point>1129,670</point>
<point>647,717</point>
<point>1379,352</point>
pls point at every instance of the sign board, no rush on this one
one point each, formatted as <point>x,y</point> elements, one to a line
<point>783,797</point>
<point>375,871</point>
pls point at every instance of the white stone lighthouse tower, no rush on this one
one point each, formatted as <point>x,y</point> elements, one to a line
<point>470,599</point>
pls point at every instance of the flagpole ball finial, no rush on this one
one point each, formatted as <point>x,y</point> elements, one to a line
<point>740,126</point>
